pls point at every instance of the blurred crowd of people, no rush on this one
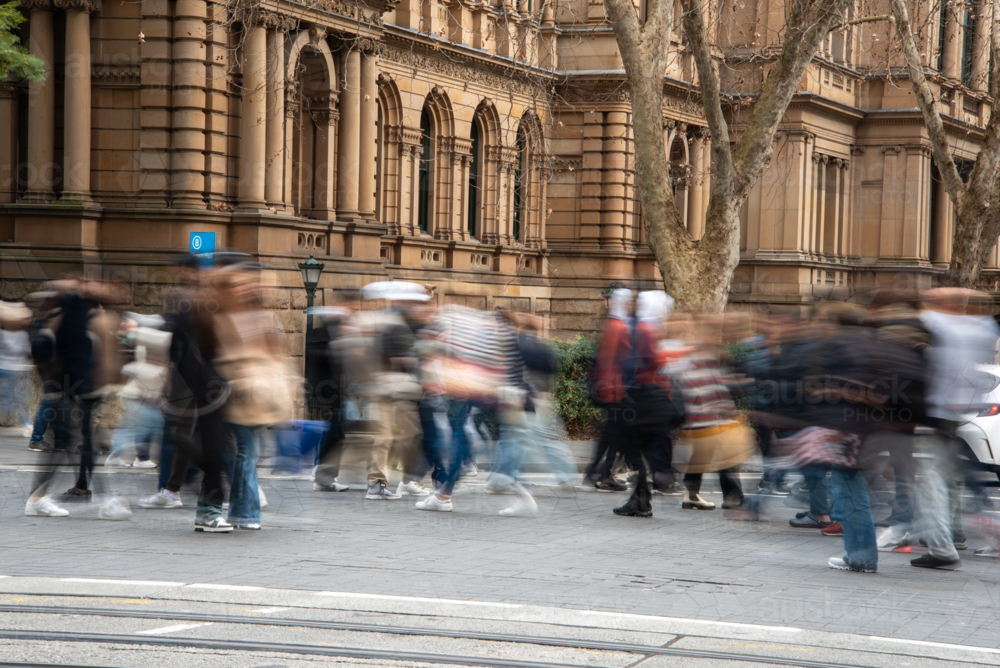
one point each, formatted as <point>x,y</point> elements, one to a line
<point>844,395</point>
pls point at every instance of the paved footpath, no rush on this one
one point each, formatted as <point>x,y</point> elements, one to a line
<point>575,555</point>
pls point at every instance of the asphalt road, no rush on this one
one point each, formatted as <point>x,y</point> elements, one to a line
<point>692,579</point>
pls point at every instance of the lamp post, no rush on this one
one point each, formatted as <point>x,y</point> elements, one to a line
<point>311,270</point>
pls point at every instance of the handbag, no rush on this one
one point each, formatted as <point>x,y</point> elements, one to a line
<point>817,445</point>
<point>715,448</point>
<point>654,408</point>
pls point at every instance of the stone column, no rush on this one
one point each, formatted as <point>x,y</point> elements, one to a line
<point>696,221</point>
<point>831,241</point>
<point>591,177</point>
<point>349,144</point>
<point>812,245</point>
<point>253,124</point>
<point>821,205</point>
<point>843,200</point>
<point>8,141</point>
<point>368,132</point>
<point>187,180</point>
<point>41,105</point>
<point>941,228</point>
<point>274,143</point>
<point>951,60</point>
<point>324,116</point>
<point>981,47</point>
<point>292,112</point>
<point>808,192</point>
<point>76,105</point>
<point>613,206</point>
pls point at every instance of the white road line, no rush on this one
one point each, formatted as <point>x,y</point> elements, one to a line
<point>171,629</point>
<point>705,622</point>
<point>381,597</point>
<point>267,611</point>
<point>927,643</point>
<point>222,586</point>
<point>145,583</point>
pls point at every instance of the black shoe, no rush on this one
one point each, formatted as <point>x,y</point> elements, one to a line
<point>631,509</point>
<point>610,485</point>
<point>732,503</point>
<point>40,446</point>
<point>927,561</point>
<point>808,522</point>
<point>781,489</point>
<point>76,495</point>
<point>799,516</point>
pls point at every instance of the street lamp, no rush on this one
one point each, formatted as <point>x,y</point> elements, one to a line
<point>311,270</point>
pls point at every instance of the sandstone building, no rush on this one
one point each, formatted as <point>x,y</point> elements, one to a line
<point>484,148</point>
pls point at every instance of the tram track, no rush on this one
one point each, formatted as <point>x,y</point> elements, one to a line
<point>645,651</point>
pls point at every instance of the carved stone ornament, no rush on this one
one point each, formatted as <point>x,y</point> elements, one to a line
<point>458,71</point>
<point>350,10</point>
<point>892,149</point>
<point>40,5</point>
<point>116,78</point>
<point>324,116</point>
<point>78,5</point>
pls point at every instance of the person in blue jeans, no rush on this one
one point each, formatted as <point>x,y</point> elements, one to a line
<point>852,509</point>
<point>241,465</point>
<point>460,453</point>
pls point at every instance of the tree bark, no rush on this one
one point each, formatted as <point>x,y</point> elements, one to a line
<point>977,201</point>
<point>698,273</point>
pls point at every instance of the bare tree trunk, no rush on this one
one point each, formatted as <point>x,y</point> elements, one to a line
<point>698,274</point>
<point>977,202</point>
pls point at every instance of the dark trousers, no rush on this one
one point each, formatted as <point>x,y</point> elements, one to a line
<point>202,440</point>
<point>86,411</point>
<point>328,459</point>
<point>730,484</point>
<point>607,449</point>
<point>429,445</point>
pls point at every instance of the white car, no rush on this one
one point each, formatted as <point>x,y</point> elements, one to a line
<point>982,431</point>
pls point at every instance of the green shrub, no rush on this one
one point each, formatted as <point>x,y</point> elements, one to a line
<point>576,358</point>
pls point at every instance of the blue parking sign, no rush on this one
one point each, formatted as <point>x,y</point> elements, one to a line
<point>203,247</point>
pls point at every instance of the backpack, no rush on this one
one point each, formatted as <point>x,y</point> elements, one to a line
<point>537,354</point>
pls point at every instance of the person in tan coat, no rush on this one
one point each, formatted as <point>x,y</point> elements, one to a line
<point>250,357</point>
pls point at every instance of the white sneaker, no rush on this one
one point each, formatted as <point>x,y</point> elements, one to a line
<point>841,565</point>
<point>379,492</point>
<point>117,462</point>
<point>162,499</point>
<point>114,510</point>
<point>412,488</point>
<point>28,431</point>
<point>893,536</point>
<point>217,525</point>
<point>143,464</point>
<point>332,487</point>
<point>312,474</point>
<point>432,502</point>
<point>522,507</point>
<point>44,507</point>
<point>263,499</point>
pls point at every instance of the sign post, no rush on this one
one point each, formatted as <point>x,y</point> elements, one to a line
<point>203,248</point>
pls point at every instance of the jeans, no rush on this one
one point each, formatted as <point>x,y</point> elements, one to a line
<point>244,495</point>
<point>938,519</point>
<point>852,509</point>
<point>546,428</point>
<point>429,441</point>
<point>141,425</point>
<point>460,450</point>
<point>12,398</point>
<point>47,413</point>
<point>819,496</point>
<point>513,447</point>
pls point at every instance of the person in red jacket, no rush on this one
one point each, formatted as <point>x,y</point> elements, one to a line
<point>608,387</point>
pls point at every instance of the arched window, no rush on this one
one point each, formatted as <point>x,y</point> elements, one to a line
<point>426,169</point>
<point>475,179</point>
<point>520,178</point>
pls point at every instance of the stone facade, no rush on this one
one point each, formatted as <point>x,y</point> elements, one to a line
<point>482,148</point>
